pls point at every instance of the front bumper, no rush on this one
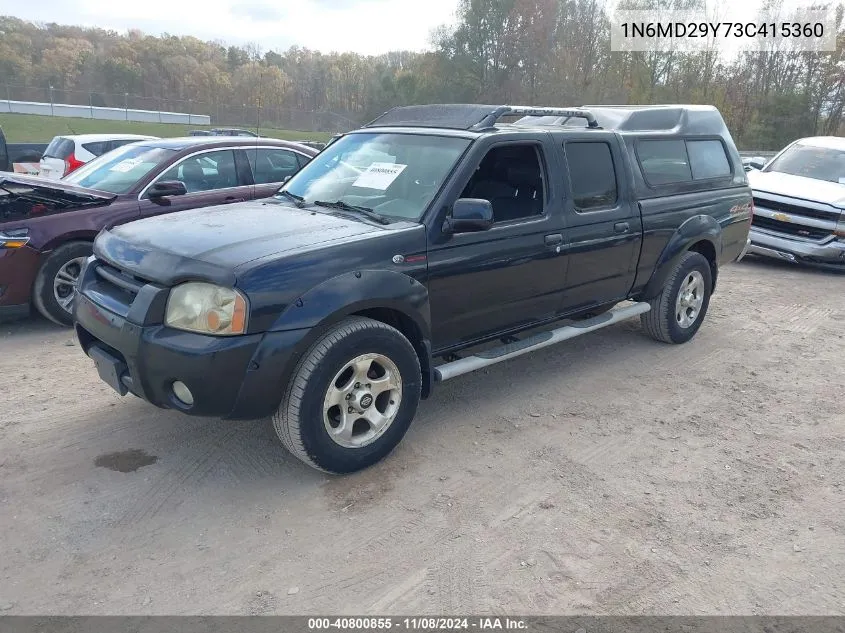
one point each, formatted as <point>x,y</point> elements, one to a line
<point>238,377</point>
<point>826,254</point>
<point>18,269</point>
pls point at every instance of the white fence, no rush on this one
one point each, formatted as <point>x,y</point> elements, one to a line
<point>109,114</point>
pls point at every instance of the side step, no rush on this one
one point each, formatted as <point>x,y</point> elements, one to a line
<point>537,341</point>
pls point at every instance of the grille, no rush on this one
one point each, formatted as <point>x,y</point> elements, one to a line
<point>790,228</point>
<point>115,277</point>
<point>795,209</point>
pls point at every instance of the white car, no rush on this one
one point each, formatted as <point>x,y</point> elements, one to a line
<point>65,154</point>
<point>799,204</point>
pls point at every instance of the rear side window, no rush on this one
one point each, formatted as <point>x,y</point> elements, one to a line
<point>591,174</point>
<point>664,162</point>
<point>708,159</point>
<point>59,147</point>
<point>272,165</point>
<point>98,148</point>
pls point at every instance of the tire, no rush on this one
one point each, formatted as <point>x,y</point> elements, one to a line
<point>306,418</point>
<point>53,281</point>
<point>668,320</point>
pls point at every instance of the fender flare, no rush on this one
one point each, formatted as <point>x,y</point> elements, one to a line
<point>360,291</point>
<point>695,229</point>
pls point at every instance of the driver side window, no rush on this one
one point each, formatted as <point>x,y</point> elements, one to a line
<point>204,172</point>
<point>510,177</point>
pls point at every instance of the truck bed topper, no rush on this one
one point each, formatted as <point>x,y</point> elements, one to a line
<point>667,119</point>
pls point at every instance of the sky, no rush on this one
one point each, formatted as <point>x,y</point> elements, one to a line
<point>369,27</point>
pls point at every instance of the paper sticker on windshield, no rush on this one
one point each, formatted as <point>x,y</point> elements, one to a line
<point>126,165</point>
<point>379,176</point>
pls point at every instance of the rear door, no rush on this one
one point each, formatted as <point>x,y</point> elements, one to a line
<point>603,225</point>
<point>211,177</point>
<point>271,167</point>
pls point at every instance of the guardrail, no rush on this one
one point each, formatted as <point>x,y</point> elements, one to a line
<point>97,112</point>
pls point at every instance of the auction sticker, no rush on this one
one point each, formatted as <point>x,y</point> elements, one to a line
<point>127,165</point>
<point>379,176</point>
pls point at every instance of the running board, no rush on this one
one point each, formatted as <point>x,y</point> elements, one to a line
<point>536,341</point>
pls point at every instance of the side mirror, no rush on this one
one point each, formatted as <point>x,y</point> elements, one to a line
<point>757,162</point>
<point>166,188</point>
<point>469,215</point>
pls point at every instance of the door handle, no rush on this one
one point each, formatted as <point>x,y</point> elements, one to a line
<point>621,227</point>
<point>555,239</point>
<point>232,199</point>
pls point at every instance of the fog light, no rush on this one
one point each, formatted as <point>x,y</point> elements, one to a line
<point>182,393</point>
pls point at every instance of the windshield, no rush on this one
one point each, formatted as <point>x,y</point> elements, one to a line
<point>121,169</point>
<point>820,163</point>
<point>395,175</point>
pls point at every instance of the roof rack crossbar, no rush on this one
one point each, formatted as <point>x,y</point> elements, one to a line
<point>498,113</point>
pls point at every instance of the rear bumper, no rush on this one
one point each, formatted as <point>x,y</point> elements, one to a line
<point>239,377</point>
<point>829,254</point>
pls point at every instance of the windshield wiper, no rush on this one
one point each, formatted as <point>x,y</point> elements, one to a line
<point>343,206</point>
<point>299,201</point>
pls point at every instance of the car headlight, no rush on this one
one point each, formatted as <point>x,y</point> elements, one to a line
<point>201,307</point>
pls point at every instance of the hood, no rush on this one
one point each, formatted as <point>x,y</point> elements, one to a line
<point>24,197</point>
<point>781,184</point>
<point>213,242</point>
<point>52,189</point>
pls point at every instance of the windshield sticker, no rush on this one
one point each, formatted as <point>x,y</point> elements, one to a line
<point>126,165</point>
<point>379,176</point>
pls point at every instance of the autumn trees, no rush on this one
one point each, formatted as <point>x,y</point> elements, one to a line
<point>544,52</point>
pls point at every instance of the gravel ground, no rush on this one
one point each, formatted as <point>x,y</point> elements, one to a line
<point>610,474</point>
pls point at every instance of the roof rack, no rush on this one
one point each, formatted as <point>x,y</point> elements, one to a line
<point>469,116</point>
<point>569,113</point>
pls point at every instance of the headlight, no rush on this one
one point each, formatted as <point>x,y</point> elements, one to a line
<point>200,307</point>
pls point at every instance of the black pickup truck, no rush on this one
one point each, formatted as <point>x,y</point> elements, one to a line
<point>12,154</point>
<point>434,241</point>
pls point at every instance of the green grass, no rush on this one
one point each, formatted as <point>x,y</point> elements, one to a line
<point>35,128</point>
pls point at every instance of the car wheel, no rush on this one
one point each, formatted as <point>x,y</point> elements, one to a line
<point>678,311</point>
<point>55,284</point>
<point>351,398</point>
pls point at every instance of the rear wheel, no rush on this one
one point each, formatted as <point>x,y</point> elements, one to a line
<point>55,284</point>
<point>678,311</point>
<point>351,398</point>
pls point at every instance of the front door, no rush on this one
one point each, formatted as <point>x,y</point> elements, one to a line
<point>512,274</point>
<point>210,178</point>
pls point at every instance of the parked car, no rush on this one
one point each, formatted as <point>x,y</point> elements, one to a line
<point>66,154</point>
<point>46,227</point>
<point>20,157</point>
<point>799,204</point>
<point>430,231</point>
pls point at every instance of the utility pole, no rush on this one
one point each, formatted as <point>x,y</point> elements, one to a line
<point>51,100</point>
<point>126,104</point>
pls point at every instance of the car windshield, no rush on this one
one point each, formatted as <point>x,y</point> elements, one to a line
<point>394,175</point>
<point>820,163</point>
<point>120,170</point>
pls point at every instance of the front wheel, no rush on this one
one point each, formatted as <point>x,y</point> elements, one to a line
<point>678,311</point>
<point>351,398</point>
<point>55,285</point>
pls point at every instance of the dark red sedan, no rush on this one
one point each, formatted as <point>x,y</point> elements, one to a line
<point>47,227</point>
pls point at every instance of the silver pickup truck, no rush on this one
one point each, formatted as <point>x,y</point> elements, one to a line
<point>799,204</point>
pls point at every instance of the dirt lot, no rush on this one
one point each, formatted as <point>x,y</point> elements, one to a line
<point>608,475</point>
